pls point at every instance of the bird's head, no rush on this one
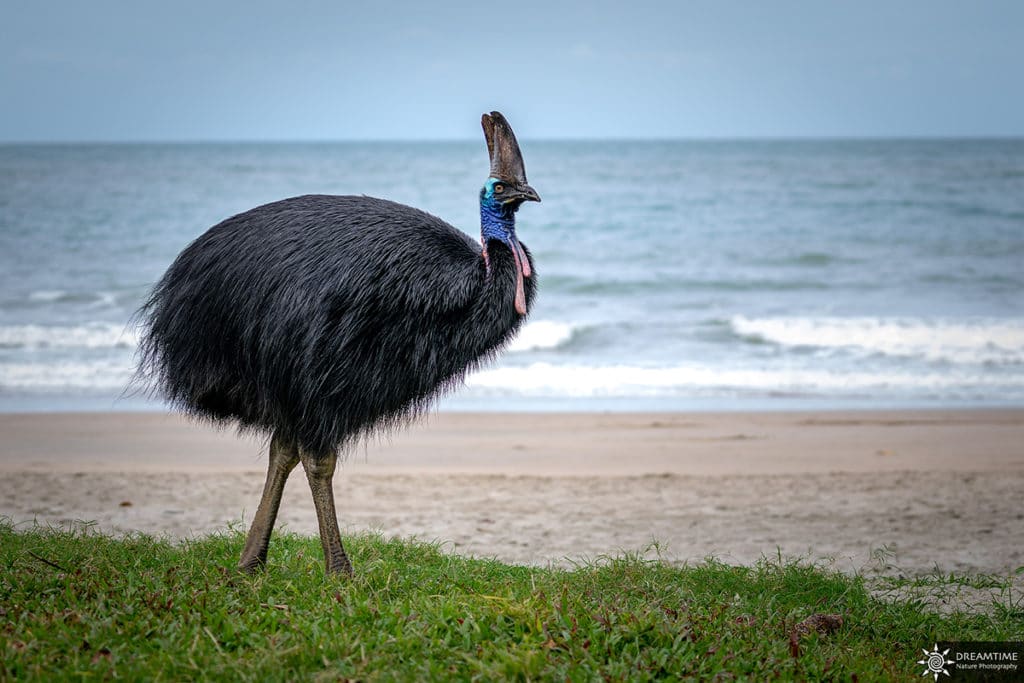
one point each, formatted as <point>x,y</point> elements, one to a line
<point>502,194</point>
<point>506,187</point>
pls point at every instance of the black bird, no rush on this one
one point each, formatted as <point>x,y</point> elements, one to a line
<point>319,319</point>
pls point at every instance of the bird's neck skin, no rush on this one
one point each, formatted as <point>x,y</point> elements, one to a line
<point>498,222</point>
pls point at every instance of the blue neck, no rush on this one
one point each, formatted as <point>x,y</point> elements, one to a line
<point>497,222</point>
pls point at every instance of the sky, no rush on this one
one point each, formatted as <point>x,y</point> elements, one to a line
<point>318,70</point>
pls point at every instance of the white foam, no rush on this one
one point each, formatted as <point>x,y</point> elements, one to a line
<point>541,334</point>
<point>47,295</point>
<point>88,336</point>
<point>104,299</point>
<point>88,299</point>
<point>548,380</point>
<point>970,341</point>
<point>101,374</point>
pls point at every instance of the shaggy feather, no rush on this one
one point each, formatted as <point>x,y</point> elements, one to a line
<point>325,318</point>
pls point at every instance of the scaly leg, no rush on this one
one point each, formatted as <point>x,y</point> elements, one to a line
<point>284,456</point>
<point>319,473</point>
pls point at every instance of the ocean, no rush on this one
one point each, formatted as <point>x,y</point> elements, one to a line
<point>694,275</point>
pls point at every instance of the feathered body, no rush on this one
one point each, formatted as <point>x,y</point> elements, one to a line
<point>324,317</point>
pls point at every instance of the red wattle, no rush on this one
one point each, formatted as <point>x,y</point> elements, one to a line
<point>525,262</point>
<point>520,292</point>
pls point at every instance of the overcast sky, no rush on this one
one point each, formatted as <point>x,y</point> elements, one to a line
<point>253,70</point>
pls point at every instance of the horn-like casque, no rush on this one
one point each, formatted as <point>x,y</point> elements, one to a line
<point>506,159</point>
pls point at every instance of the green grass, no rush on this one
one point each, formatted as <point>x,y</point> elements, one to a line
<point>80,605</point>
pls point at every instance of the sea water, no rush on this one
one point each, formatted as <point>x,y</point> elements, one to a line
<point>680,274</point>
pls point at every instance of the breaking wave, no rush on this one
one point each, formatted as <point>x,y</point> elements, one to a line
<point>978,341</point>
<point>541,335</point>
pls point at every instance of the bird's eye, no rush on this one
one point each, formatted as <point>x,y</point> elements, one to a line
<point>499,188</point>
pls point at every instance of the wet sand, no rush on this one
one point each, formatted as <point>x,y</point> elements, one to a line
<point>927,488</point>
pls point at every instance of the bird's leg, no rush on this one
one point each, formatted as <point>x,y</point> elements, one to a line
<point>284,456</point>
<point>320,472</point>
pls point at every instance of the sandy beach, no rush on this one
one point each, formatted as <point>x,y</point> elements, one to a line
<point>930,488</point>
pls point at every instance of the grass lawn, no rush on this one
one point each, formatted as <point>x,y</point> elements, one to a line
<point>80,605</point>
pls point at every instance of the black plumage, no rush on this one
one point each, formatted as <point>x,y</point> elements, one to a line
<point>319,318</point>
<point>326,316</point>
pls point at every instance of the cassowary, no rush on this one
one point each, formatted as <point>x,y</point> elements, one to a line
<point>319,319</point>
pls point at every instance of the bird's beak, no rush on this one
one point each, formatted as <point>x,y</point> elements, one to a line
<point>518,194</point>
<point>529,194</point>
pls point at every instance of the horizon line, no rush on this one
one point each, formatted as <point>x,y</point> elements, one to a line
<point>634,139</point>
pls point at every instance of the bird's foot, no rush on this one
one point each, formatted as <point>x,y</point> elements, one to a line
<point>252,565</point>
<point>337,564</point>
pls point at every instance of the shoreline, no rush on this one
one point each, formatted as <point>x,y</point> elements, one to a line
<point>927,488</point>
